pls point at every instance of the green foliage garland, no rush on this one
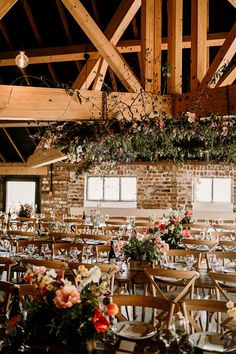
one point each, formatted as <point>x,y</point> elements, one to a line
<point>188,138</point>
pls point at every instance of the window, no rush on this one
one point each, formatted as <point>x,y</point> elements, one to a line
<point>20,191</point>
<point>213,190</point>
<point>111,189</point>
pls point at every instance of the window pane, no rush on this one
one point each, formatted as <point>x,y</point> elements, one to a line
<point>111,188</point>
<point>94,188</point>
<point>222,190</point>
<point>202,190</point>
<point>128,188</point>
<point>19,192</point>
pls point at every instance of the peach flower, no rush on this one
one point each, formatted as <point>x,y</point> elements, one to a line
<point>66,296</point>
<point>112,309</point>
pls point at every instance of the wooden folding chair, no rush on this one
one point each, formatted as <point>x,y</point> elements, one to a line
<point>49,264</point>
<point>202,245</point>
<point>227,245</point>
<point>21,245</point>
<point>63,249</point>
<point>226,258</point>
<point>225,285</point>
<point>178,284</point>
<point>102,252</point>
<point>176,255</point>
<point>205,315</point>
<point>61,236</point>
<point>108,270</point>
<point>137,308</point>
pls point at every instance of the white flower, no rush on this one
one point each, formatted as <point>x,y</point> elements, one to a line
<point>52,273</point>
<point>95,274</point>
<point>230,304</point>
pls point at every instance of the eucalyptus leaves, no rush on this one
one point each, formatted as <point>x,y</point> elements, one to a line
<point>110,142</point>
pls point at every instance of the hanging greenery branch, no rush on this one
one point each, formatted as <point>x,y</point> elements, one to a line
<point>150,139</point>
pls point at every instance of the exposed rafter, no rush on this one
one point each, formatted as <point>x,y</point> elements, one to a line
<point>118,24</point>
<point>46,104</point>
<point>42,157</point>
<point>50,104</point>
<point>103,45</point>
<point>5,6</point>
<point>151,45</point>
<point>223,57</point>
<point>13,144</point>
<point>199,20</point>
<point>232,2</point>
<point>227,78</point>
<point>77,51</point>
<point>21,169</point>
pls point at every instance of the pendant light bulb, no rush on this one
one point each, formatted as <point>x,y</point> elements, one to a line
<point>22,60</point>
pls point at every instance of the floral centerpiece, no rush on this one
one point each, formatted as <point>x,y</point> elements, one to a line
<point>25,210</point>
<point>169,229</point>
<point>63,314</point>
<point>145,248</point>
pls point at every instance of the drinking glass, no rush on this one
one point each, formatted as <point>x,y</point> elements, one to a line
<point>74,252</point>
<point>30,249</point>
<point>88,253</point>
<point>189,259</point>
<point>45,249</point>
<point>163,260</point>
<point>6,245</point>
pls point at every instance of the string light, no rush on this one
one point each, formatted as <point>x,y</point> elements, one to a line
<point>22,60</point>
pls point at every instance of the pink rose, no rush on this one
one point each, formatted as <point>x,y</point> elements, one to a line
<point>40,270</point>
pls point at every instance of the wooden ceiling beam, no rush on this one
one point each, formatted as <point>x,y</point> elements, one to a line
<point>232,2</point>
<point>5,6</point>
<point>174,54</point>
<point>199,21</point>
<point>53,104</point>
<point>151,26</point>
<point>113,32</point>
<point>42,157</point>
<point>77,51</point>
<point>13,144</point>
<point>223,57</point>
<point>103,45</point>
<point>21,169</point>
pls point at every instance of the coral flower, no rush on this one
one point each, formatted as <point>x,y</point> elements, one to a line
<point>101,324</point>
<point>66,297</point>
<point>186,233</point>
<point>112,310</point>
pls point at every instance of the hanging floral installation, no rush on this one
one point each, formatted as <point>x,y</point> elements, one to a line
<point>150,139</point>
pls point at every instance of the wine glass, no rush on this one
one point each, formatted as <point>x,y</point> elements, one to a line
<point>189,259</point>
<point>74,252</point>
<point>88,253</point>
<point>45,249</point>
<point>6,245</point>
<point>30,249</point>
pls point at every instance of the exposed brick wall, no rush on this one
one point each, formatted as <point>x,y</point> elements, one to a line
<point>159,186</point>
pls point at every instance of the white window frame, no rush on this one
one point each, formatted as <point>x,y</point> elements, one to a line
<point>211,207</point>
<point>109,203</point>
